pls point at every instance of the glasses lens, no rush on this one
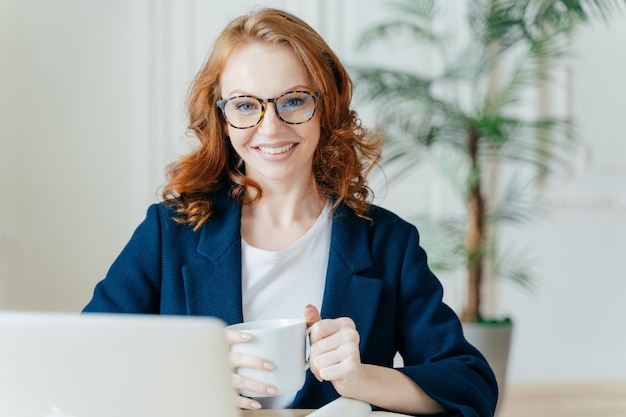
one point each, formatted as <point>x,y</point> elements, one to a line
<point>243,111</point>
<point>295,107</point>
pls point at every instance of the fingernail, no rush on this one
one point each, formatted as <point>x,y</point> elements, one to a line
<point>269,366</point>
<point>272,391</point>
<point>245,336</point>
<point>255,405</point>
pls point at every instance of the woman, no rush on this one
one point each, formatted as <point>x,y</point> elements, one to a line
<point>269,217</point>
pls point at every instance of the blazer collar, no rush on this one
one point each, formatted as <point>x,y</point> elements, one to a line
<point>213,284</point>
<point>213,280</point>
<point>223,229</point>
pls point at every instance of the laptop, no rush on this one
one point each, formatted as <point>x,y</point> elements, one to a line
<point>113,365</point>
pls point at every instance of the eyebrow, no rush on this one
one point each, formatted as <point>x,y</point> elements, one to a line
<point>236,92</point>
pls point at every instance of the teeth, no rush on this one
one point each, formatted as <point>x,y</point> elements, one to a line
<point>274,151</point>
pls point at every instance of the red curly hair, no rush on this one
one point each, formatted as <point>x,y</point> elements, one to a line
<point>346,152</point>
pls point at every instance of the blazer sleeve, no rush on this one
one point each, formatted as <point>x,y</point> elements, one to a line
<point>436,354</point>
<point>133,282</point>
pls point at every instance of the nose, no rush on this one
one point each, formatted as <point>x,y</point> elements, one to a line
<point>270,122</point>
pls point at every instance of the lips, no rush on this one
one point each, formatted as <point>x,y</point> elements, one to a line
<point>275,151</point>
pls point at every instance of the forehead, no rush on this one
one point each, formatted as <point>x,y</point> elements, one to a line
<point>263,70</point>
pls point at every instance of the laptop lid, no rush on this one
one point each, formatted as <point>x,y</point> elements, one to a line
<point>105,365</point>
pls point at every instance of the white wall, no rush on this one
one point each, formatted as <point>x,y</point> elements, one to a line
<point>91,110</point>
<point>574,326</point>
<point>73,145</point>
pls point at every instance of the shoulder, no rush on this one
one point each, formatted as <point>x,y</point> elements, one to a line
<point>162,214</point>
<point>382,229</point>
<point>166,212</point>
<point>157,223</point>
<point>223,226</point>
<point>376,218</point>
<point>385,217</point>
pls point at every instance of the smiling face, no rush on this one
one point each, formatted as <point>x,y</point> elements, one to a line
<point>272,151</point>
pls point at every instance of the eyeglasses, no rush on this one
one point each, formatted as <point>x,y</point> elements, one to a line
<point>293,107</point>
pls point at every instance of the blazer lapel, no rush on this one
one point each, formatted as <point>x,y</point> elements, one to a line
<point>349,291</point>
<point>213,279</point>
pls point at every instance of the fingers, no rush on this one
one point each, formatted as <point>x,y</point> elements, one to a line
<point>311,315</point>
<point>336,364</point>
<point>327,339</point>
<point>325,328</point>
<point>240,360</point>
<point>243,360</point>
<point>247,403</point>
<point>235,336</point>
<point>334,349</point>
<point>241,383</point>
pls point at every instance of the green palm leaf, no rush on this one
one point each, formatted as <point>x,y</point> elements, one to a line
<point>466,116</point>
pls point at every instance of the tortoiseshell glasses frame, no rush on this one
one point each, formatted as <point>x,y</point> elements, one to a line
<point>292,107</point>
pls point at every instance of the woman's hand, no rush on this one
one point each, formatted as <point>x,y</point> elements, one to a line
<point>335,357</point>
<point>335,353</point>
<point>241,360</point>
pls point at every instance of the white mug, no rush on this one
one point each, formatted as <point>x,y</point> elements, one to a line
<point>281,341</point>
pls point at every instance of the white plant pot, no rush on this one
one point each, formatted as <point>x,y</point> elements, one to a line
<point>493,340</point>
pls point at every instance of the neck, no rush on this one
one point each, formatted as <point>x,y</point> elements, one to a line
<point>278,220</point>
<point>281,208</point>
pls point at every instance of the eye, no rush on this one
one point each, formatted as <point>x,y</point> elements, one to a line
<point>293,102</point>
<point>244,105</point>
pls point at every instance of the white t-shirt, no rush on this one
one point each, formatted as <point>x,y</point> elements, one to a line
<point>279,284</point>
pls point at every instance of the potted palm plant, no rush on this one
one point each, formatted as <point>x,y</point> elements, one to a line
<point>470,103</point>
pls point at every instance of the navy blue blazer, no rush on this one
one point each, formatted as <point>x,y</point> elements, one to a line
<point>377,275</point>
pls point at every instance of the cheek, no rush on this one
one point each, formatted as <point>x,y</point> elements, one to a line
<point>314,132</point>
<point>237,137</point>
